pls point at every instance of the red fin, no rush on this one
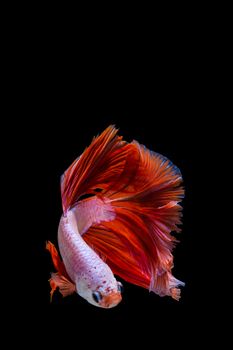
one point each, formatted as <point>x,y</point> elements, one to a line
<point>166,284</point>
<point>65,286</point>
<point>116,254</point>
<point>53,288</point>
<point>58,264</point>
<point>107,164</point>
<point>60,279</point>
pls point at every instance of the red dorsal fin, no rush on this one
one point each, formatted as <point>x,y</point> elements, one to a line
<point>99,167</point>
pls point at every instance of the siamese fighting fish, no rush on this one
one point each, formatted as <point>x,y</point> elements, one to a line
<point>120,204</point>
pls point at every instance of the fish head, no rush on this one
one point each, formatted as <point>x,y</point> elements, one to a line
<point>110,299</point>
<point>103,296</point>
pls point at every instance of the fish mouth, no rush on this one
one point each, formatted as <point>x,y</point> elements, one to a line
<point>111,300</point>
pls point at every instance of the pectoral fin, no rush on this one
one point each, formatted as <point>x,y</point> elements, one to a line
<point>65,286</point>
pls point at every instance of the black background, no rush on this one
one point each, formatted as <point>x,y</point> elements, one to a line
<point>62,102</point>
<point>167,126</point>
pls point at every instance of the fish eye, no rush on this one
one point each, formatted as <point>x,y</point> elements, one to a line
<point>120,287</point>
<point>97,296</point>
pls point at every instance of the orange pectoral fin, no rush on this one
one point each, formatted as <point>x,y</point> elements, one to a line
<point>65,286</point>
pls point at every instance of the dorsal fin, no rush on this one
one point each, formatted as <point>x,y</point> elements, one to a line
<point>99,167</point>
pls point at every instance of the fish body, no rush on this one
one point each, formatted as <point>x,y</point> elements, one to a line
<point>123,228</point>
<point>84,266</point>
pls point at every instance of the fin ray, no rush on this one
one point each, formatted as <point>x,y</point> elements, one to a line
<point>66,287</point>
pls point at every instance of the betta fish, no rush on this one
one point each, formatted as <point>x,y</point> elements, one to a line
<point>120,204</point>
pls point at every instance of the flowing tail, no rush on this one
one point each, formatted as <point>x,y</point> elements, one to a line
<point>143,189</point>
